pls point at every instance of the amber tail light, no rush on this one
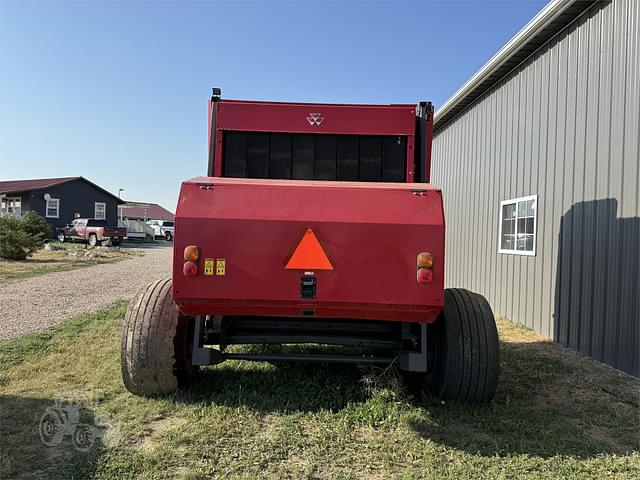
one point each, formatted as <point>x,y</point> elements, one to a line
<point>425,267</point>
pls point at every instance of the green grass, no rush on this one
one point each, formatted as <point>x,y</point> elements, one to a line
<point>47,261</point>
<point>556,414</point>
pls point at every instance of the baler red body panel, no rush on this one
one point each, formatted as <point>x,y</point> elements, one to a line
<point>371,233</point>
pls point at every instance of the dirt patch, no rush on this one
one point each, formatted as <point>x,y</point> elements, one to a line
<point>514,333</point>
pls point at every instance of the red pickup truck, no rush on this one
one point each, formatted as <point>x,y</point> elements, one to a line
<point>91,231</point>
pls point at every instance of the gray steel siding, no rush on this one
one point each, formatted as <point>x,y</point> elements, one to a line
<point>565,125</point>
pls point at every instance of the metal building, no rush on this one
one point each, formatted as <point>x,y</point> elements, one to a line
<point>538,157</point>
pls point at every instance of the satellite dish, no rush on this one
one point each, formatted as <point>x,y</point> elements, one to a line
<point>47,197</point>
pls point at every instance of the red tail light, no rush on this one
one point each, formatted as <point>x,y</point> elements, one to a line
<point>190,269</point>
<point>425,275</point>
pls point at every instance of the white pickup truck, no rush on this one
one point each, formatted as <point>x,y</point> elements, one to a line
<point>163,228</point>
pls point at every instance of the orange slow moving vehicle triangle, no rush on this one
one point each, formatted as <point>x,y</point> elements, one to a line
<point>309,254</point>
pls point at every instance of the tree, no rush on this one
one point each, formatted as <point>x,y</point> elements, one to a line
<point>36,226</point>
<point>20,237</point>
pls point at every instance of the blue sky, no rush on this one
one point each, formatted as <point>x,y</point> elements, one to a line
<point>117,91</point>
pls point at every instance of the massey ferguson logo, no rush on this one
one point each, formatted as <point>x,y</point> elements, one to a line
<point>315,119</point>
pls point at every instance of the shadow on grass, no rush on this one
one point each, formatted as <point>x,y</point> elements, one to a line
<point>280,387</point>
<point>24,454</point>
<point>547,404</point>
<point>45,261</point>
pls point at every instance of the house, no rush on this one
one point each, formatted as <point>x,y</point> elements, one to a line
<point>135,215</point>
<point>59,200</point>
<point>537,156</point>
<point>143,211</point>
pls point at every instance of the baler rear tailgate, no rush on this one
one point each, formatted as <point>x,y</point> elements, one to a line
<point>249,230</point>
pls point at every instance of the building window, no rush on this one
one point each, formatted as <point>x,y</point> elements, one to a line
<point>11,206</point>
<point>518,226</point>
<point>100,211</point>
<point>53,208</point>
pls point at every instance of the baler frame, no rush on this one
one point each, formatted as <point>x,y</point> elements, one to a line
<point>383,209</point>
<point>408,349</point>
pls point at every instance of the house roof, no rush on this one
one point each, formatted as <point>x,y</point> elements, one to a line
<point>551,20</point>
<point>146,211</point>
<point>15,186</point>
<point>18,186</point>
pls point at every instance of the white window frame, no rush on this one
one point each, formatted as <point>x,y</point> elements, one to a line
<point>104,210</point>
<point>48,205</point>
<point>515,201</point>
<point>10,203</point>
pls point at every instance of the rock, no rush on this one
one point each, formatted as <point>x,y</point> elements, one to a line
<point>51,248</point>
<point>108,248</point>
<point>91,254</point>
<point>76,252</point>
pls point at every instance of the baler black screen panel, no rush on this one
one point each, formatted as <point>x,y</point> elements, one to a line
<point>371,159</point>
<point>258,147</point>
<point>394,154</point>
<point>235,155</point>
<point>314,157</point>
<point>302,167</point>
<point>348,157</point>
<point>281,151</point>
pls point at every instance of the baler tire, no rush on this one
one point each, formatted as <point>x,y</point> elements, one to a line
<point>156,343</point>
<point>465,340</point>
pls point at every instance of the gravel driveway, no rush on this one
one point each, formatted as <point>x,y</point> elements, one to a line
<point>40,302</point>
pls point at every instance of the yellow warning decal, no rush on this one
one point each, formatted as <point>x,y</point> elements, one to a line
<point>208,266</point>
<point>220,266</point>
